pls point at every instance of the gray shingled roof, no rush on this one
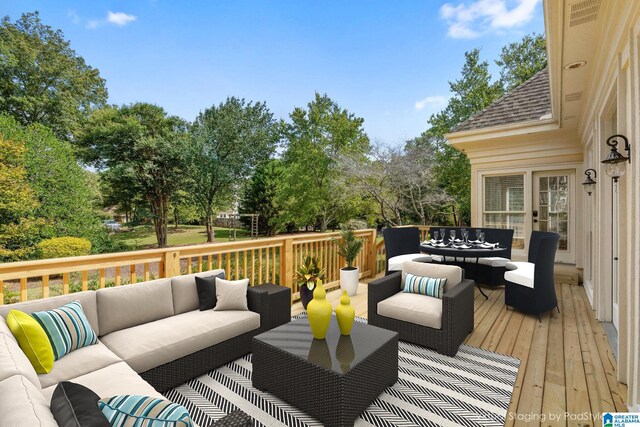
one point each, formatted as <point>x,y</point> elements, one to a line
<point>529,101</point>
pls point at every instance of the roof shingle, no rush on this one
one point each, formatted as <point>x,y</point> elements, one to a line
<point>529,101</point>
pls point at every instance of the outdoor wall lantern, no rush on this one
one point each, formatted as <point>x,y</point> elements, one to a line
<point>589,183</point>
<point>614,163</point>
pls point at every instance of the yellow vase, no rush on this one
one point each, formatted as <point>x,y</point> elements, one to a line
<point>345,314</point>
<point>319,312</point>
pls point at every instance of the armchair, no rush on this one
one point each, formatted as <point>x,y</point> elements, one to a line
<point>430,322</point>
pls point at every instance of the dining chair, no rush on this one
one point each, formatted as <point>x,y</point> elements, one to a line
<point>402,244</point>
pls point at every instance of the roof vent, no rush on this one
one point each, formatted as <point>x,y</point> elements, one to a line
<point>583,12</point>
<point>575,96</point>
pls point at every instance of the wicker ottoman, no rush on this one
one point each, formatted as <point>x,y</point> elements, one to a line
<point>334,379</point>
<point>279,302</point>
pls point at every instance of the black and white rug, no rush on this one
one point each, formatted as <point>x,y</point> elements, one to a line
<point>472,389</point>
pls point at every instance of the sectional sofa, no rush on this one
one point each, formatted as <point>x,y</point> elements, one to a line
<point>152,337</point>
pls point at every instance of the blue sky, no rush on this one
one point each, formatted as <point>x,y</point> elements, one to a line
<point>386,61</point>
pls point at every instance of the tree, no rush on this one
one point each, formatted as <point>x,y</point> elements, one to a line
<point>141,142</point>
<point>227,142</point>
<point>259,195</point>
<point>519,61</point>
<point>19,229</point>
<point>472,92</point>
<point>311,191</point>
<point>43,80</point>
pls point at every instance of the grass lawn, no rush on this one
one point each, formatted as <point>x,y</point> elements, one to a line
<point>143,237</point>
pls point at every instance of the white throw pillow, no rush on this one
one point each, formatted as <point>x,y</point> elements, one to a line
<point>231,294</point>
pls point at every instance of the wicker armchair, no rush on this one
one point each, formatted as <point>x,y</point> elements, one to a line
<point>456,316</point>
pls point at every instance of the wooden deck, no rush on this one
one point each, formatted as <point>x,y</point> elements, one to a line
<point>567,369</point>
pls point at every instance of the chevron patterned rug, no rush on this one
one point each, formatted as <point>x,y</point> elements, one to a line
<point>472,389</point>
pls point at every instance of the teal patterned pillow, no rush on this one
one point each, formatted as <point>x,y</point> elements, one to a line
<point>67,327</point>
<point>143,411</point>
<point>424,285</point>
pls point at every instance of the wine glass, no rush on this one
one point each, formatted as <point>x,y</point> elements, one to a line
<point>478,233</point>
<point>436,235</point>
<point>481,236</point>
<point>452,235</point>
<point>465,234</point>
<point>442,234</point>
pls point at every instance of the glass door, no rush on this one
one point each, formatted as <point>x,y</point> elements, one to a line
<point>553,209</point>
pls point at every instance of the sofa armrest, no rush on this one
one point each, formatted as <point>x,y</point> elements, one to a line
<point>457,308</point>
<point>258,302</point>
<point>234,419</point>
<point>381,289</point>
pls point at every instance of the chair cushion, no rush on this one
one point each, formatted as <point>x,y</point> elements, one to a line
<point>4,329</point>
<point>13,361</point>
<point>80,362</point>
<point>413,308</point>
<point>395,263</point>
<point>122,307</point>
<point>522,275</point>
<point>433,287</point>
<point>67,328</point>
<point>127,410</point>
<point>74,405</point>
<point>32,339</point>
<point>147,346</point>
<point>185,294</point>
<point>87,299</point>
<point>231,295</point>
<point>490,261</point>
<point>115,379</point>
<point>452,273</point>
<point>23,404</point>
<point>512,265</point>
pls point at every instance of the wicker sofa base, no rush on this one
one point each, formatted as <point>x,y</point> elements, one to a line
<point>179,371</point>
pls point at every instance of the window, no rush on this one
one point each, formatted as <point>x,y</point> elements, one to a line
<point>504,205</point>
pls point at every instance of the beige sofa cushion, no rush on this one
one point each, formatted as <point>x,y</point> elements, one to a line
<point>13,361</point>
<point>452,273</point>
<point>147,346</point>
<point>132,305</point>
<point>113,380</point>
<point>79,362</point>
<point>185,293</point>
<point>414,308</point>
<point>4,329</point>
<point>87,299</point>
<point>23,404</point>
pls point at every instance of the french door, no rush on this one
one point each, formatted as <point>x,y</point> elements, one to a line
<point>553,204</point>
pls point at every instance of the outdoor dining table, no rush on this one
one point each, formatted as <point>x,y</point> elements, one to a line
<point>457,252</point>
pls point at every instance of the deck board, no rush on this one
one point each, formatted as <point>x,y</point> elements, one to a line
<point>566,362</point>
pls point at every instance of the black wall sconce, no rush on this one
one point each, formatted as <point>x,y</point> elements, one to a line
<point>589,183</point>
<point>615,161</point>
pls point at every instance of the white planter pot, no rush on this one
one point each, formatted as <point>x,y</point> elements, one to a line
<point>349,280</point>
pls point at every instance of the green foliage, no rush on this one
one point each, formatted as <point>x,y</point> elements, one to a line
<point>260,195</point>
<point>60,247</point>
<point>309,273</point>
<point>142,147</point>
<point>472,92</point>
<point>227,142</point>
<point>349,246</point>
<point>43,80</point>
<point>519,61</point>
<point>312,190</point>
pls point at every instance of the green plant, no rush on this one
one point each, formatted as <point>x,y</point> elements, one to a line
<point>349,246</point>
<point>60,247</point>
<point>309,273</point>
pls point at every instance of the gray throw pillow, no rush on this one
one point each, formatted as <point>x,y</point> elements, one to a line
<point>231,294</point>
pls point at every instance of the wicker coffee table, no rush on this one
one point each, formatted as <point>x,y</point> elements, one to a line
<point>334,379</point>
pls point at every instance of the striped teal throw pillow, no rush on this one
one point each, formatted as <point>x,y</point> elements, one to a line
<point>424,285</point>
<point>143,411</point>
<point>67,327</point>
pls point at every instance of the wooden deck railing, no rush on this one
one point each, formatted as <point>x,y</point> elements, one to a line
<point>264,260</point>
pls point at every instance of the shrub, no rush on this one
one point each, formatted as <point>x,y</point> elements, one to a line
<point>60,247</point>
<point>355,224</point>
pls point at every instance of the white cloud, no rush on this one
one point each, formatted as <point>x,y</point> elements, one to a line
<point>114,18</point>
<point>120,18</point>
<point>431,101</point>
<point>73,15</point>
<point>472,19</point>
